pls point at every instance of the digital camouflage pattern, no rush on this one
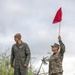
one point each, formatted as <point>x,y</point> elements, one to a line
<point>60,73</point>
<point>20,55</point>
<point>55,61</point>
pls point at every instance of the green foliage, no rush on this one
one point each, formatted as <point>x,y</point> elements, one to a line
<point>5,68</point>
<point>30,70</point>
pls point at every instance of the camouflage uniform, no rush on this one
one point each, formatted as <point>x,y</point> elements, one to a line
<point>20,55</point>
<point>55,62</point>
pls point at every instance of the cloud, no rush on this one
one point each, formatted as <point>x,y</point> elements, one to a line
<point>13,7</point>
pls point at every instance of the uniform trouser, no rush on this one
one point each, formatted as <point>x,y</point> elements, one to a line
<point>59,73</point>
<point>20,70</point>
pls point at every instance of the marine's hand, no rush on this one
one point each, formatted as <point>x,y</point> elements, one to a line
<point>59,37</point>
<point>25,65</point>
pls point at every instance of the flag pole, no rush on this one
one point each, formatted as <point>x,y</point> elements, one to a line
<point>59,27</point>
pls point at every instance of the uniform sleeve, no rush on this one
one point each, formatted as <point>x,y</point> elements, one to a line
<point>12,56</point>
<point>28,55</point>
<point>62,47</point>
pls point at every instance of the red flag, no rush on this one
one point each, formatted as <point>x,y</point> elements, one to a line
<point>58,16</point>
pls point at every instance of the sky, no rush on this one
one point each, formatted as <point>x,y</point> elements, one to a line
<point>33,19</point>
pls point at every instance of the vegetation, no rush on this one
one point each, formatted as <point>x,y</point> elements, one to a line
<point>5,68</point>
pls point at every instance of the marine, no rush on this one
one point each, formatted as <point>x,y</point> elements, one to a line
<point>56,59</point>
